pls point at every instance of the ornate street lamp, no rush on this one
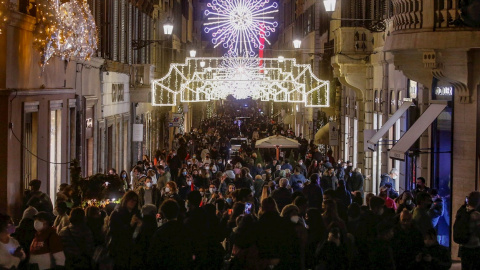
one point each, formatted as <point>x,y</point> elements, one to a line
<point>297,43</point>
<point>329,5</point>
<point>168,28</point>
<point>193,53</point>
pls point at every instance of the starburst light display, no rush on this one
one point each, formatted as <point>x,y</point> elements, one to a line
<point>240,25</point>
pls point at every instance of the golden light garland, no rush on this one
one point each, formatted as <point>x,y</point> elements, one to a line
<point>66,30</point>
<point>4,13</point>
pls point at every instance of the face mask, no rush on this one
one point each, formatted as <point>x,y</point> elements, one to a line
<point>189,183</point>
<point>219,162</point>
<point>149,185</point>
<point>167,189</point>
<point>394,176</point>
<point>124,176</point>
<point>188,162</point>
<point>184,173</point>
<point>229,200</point>
<point>11,229</point>
<point>207,168</point>
<point>345,167</point>
<point>300,163</point>
<point>194,156</point>
<point>409,202</point>
<point>212,190</point>
<point>295,219</point>
<point>214,171</point>
<point>202,193</point>
<point>38,225</point>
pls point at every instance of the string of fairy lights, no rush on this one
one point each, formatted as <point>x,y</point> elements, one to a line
<point>65,29</point>
<point>242,27</point>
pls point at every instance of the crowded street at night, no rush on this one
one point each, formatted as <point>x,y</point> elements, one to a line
<point>239,134</point>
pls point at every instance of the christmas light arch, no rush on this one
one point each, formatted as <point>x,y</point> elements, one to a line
<point>279,80</point>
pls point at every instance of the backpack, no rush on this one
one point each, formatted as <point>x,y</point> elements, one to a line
<point>461,227</point>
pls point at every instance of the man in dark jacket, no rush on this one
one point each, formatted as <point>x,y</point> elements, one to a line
<point>171,246</point>
<point>313,192</point>
<point>355,182</point>
<point>282,195</point>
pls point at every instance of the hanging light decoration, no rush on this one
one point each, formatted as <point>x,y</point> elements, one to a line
<point>66,29</point>
<point>4,14</point>
<point>239,25</point>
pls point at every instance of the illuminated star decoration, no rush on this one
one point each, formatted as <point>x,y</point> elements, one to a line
<point>240,24</point>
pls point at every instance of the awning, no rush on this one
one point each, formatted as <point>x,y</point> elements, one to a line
<point>372,143</point>
<point>408,139</point>
<point>321,137</point>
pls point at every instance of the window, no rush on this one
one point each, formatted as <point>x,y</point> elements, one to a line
<point>30,141</point>
<point>117,92</point>
<point>55,152</point>
<point>393,102</point>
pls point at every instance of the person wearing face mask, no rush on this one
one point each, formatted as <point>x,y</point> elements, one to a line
<point>149,194</point>
<point>405,201</point>
<point>46,249</point>
<point>11,253</point>
<point>389,178</point>
<point>182,177</point>
<point>291,213</point>
<point>187,187</point>
<point>171,192</point>
<point>422,217</point>
<point>125,180</point>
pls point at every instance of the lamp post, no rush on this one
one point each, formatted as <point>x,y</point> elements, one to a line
<point>297,44</point>
<point>167,30</point>
<point>193,53</point>
<point>373,25</point>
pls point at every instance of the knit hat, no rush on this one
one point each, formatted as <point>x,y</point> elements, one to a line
<point>30,212</point>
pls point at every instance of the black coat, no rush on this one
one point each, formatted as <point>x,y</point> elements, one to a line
<point>355,182</point>
<point>314,195</point>
<point>282,197</point>
<point>122,236</point>
<point>171,247</point>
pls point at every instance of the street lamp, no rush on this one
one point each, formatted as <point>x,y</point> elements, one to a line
<point>281,59</point>
<point>193,53</point>
<point>370,24</point>
<point>139,43</point>
<point>168,28</point>
<point>202,64</point>
<point>329,5</point>
<point>297,43</point>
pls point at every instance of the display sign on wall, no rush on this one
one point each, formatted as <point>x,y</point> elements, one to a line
<point>175,120</point>
<point>333,134</point>
<point>137,134</point>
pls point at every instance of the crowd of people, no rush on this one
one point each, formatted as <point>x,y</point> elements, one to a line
<point>197,207</point>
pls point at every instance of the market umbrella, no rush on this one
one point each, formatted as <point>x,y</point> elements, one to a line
<point>277,142</point>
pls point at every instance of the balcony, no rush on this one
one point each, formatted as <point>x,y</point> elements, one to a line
<point>434,38</point>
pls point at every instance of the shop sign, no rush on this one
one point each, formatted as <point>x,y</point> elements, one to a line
<point>444,91</point>
<point>137,134</point>
<point>333,134</point>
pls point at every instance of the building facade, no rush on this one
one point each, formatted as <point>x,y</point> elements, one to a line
<point>388,53</point>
